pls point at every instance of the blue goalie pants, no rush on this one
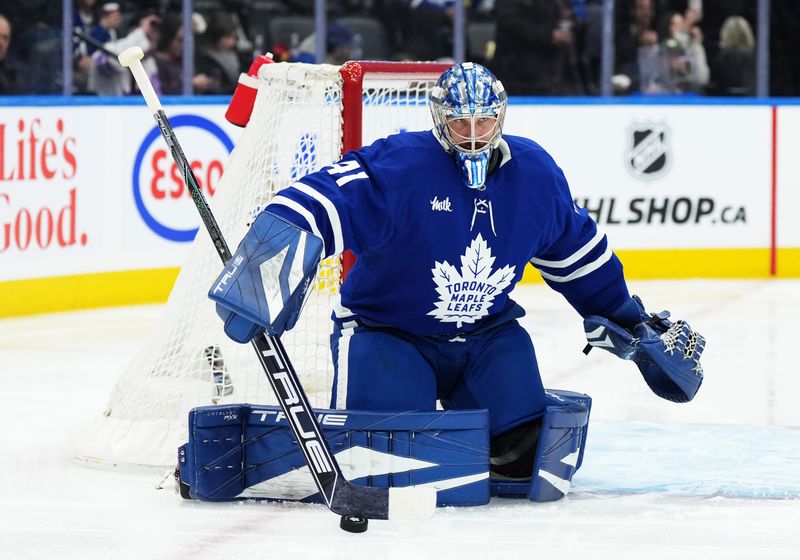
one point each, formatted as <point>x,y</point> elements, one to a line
<point>385,369</point>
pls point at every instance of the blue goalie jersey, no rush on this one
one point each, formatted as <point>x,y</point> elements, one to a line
<point>435,257</point>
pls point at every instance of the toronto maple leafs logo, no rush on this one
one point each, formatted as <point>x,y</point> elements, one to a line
<point>465,295</point>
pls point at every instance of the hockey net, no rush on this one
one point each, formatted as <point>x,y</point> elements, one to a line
<point>305,117</point>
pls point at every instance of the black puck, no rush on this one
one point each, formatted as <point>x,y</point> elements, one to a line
<point>353,523</point>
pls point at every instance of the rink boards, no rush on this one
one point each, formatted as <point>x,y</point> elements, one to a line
<point>93,212</point>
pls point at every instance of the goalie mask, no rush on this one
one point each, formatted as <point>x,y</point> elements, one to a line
<point>468,105</point>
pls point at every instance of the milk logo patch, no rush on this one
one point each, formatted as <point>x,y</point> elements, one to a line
<point>441,205</point>
<point>466,294</point>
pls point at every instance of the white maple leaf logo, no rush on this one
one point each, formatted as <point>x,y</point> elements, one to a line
<point>466,295</point>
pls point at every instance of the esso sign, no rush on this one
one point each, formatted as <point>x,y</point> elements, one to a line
<point>161,197</point>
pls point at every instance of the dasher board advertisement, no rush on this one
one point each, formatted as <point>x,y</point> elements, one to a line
<point>94,189</point>
<point>662,177</point>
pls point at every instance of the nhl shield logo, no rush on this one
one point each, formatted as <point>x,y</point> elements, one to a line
<point>648,154</point>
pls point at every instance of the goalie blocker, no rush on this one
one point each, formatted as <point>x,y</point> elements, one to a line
<point>264,285</point>
<point>244,451</point>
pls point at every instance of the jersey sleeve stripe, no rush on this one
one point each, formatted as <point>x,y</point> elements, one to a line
<point>330,210</point>
<point>575,257</point>
<point>309,217</point>
<point>340,311</point>
<point>342,181</point>
<point>582,271</point>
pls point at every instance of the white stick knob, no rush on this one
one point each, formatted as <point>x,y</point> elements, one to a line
<point>132,59</point>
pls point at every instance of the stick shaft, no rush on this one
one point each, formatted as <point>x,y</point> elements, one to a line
<point>145,86</point>
<point>192,185</point>
<point>340,496</point>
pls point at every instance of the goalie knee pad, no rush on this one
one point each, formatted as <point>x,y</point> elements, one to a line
<point>558,453</point>
<point>248,452</point>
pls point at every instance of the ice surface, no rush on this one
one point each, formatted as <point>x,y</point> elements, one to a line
<point>715,478</point>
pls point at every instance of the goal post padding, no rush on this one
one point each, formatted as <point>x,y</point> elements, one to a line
<point>304,118</point>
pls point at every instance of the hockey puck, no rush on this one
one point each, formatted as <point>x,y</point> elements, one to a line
<point>353,523</point>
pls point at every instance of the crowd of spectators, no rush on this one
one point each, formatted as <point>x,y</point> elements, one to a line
<point>536,47</point>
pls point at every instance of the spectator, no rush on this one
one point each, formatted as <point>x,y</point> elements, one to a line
<point>714,15</point>
<point>219,59</point>
<point>570,71</point>
<point>394,15</point>
<point>733,67</point>
<point>37,46</point>
<point>105,30</point>
<point>429,33</point>
<point>338,46</point>
<point>687,68</point>
<point>535,48</point>
<point>8,74</point>
<point>638,58</point>
<point>83,20</point>
<point>592,44</point>
<point>169,57</point>
<point>692,38</point>
<point>107,76</point>
<point>83,14</point>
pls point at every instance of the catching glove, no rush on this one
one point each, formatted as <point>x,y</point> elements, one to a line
<point>666,353</point>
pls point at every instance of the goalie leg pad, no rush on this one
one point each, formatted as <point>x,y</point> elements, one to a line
<point>266,282</point>
<point>247,451</point>
<point>559,449</point>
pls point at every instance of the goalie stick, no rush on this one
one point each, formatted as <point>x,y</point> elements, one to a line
<point>341,496</point>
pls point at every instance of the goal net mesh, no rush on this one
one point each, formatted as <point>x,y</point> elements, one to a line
<point>186,360</point>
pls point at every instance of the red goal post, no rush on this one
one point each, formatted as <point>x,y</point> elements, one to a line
<point>354,74</point>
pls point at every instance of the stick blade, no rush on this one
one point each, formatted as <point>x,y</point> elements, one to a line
<point>412,502</point>
<point>409,503</point>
